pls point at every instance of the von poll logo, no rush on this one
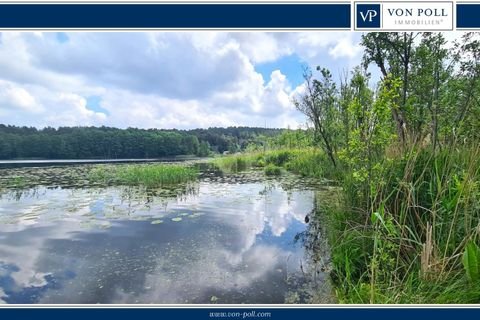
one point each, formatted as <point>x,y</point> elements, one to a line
<point>404,16</point>
<point>368,16</point>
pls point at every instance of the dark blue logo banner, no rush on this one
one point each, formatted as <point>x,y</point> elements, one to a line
<point>242,313</point>
<point>468,15</point>
<point>176,16</point>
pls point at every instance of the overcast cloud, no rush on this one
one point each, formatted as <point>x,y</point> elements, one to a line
<point>162,79</point>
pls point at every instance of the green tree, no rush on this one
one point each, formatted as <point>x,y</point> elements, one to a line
<point>204,149</point>
<point>392,52</point>
<point>319,104</point>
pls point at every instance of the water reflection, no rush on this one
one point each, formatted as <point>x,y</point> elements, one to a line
<point>228,240</point>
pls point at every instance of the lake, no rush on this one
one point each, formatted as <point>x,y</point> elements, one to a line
<point>238,238</point>
<point>66,162</point>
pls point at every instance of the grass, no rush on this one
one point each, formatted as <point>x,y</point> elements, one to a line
<point>238,163</point>
<point>13,182</point>
<point>152,175</point>
<point>272,170</point>
<point>309,162</point>
<point>401,236</point>
<point>17,182</point>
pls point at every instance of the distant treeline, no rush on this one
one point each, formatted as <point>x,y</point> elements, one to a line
<point>112,143</point>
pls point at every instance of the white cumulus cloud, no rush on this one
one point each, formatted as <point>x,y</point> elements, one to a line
<point>160,79</point>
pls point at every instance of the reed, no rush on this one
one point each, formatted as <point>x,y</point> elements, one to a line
<point>149,175</point>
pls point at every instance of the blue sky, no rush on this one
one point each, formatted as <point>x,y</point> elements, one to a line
<point>163,79</point>
<point>62,37</point>
<point>94,103</point>
<point>290,65</point>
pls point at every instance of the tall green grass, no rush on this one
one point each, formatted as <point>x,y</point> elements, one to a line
<point>309,162</point>
<point>152,175</point>
<point>272,170</point>
<point>405,239</point>
<point>410,233</point>
<point>239,162</point>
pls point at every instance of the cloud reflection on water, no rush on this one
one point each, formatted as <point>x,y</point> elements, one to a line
<point>86,246</point>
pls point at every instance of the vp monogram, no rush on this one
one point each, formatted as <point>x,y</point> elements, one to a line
<point>370,14</point>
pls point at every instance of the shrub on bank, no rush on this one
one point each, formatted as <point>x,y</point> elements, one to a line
<point>272,170</point>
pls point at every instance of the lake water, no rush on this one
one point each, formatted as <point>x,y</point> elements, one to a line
<point>67,162</point>
<point>233,239</point>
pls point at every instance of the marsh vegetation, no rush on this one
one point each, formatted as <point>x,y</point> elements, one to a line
<point>150,175</point>
<point>406,155</point>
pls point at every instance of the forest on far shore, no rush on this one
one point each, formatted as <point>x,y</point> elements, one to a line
<point>112,143</point>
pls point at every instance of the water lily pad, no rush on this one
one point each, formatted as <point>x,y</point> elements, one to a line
<point>177,219</point>
<point>157,221</point>
<point>196,214</point>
